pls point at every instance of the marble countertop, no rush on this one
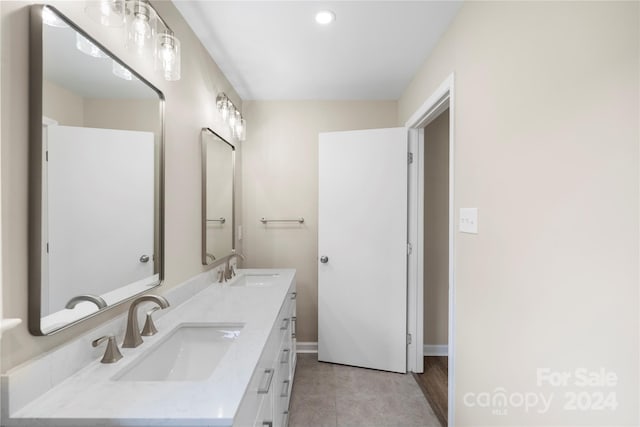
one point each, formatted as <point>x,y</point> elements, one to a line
<point>92,397</point>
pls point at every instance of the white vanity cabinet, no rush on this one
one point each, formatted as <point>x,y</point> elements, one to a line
<point>266,401</point>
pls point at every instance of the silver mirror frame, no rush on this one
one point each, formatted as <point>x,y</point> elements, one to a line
<point>203,145</point>
<point>35,172</point>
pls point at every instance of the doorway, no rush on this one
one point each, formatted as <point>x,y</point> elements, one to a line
<point>435,160</point>
<point>440,101</point>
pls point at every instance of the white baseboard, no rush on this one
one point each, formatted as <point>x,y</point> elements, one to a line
<point>436,350</point>
<point>306,347</point>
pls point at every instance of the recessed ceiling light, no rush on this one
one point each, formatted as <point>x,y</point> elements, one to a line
<point>325,17</point>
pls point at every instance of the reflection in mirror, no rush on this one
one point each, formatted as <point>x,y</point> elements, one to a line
<point>218,158</point>
<point>95,174</point>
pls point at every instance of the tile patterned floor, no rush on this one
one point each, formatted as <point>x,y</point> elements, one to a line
<point>343,396</point>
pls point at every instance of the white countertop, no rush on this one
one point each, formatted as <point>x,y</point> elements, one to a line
<point>91,397</point>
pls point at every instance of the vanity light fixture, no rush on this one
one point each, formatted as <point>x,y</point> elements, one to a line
<point>146,33</point>
<point>109,13</point>
<point>325,17</point>
<point>231,116</point>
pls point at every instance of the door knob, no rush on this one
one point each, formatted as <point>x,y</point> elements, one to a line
<point>144,258</point>
<point>324,259</point>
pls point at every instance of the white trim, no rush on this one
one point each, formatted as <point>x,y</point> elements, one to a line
<point>433,106</point>
<point>438,102</point>
<point>436,350</point>
<point>306,347</point>
<point>415,357</point>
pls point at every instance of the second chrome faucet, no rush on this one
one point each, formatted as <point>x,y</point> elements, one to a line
<point>132,337</point>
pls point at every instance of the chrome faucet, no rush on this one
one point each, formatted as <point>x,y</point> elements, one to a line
<point>228,268</point>
<point>99,301</point>
<point>132,336</point>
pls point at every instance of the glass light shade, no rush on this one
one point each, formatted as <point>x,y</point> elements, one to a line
<point>121,71</point>
<point>233,117</point>
<point>85,46</point>
<point>224,109</point>
<point>109,13</point>
<point>51,19</point>
<point>141,25</point>
<point>168,56</point>
<point>241,130</point>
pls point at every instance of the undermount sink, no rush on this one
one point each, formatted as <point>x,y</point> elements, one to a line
<point>190,352</point>
<point>254,279</point>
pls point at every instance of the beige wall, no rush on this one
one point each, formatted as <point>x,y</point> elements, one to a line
<point>127,114</point>
<point>62,105</point>
<point>69,109</point>
<point>280,164</point>
<point>436,231</point>
<point>190,105</point>
<point>546,142</point>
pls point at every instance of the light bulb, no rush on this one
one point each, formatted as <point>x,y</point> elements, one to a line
<point>224,110</point>
<point>141,25</point>
<point>107,12</point>
<point>238,126</point>
<point>242,133</point>
<point>232,118</point>
<point>168,56</point>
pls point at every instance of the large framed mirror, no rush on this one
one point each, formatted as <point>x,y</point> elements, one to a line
<point>95,177</point>
<point>218,223</point>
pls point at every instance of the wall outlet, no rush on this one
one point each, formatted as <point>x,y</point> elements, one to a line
<point>469,220</point>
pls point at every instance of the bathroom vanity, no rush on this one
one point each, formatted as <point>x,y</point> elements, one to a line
<point>224,356</point>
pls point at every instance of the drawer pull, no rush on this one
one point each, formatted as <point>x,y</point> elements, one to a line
<point>269,374</point>
<point>285,356</point>
<point>293,326</point>
<point>285,389</point>
<point>267,424</point>
<point>285,324</point>
<point>294,295</point>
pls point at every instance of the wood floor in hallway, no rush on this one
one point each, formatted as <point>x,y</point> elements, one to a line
<point>325,394</point>
<point>434,384</point>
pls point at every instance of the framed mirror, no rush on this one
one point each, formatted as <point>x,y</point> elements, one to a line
<point>218,171</point>
<point>95,177</point>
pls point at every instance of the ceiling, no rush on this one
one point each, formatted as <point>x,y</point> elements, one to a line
<point>272,50</point>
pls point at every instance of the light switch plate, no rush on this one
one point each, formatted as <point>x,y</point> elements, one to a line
<point>469,220</point>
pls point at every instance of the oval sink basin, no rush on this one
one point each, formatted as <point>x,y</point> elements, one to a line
<point>255,280</point>
<point>190,352</point>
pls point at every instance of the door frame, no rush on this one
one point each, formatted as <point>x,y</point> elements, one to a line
<point>441,99</point>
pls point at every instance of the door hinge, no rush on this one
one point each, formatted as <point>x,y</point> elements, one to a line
<point>409,249</point>
<point>409,158</point>
<point>409,341</point>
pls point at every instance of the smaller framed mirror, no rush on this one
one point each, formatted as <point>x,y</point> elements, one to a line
<point>218,198</point>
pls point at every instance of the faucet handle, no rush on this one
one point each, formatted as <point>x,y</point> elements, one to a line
<point>221,276</point>
<point>112,353</point>
<point>232,271</point>
<point>149,327</point>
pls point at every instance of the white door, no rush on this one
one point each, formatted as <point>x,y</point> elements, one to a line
<point>100,210</point>
<point>362,244</point>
